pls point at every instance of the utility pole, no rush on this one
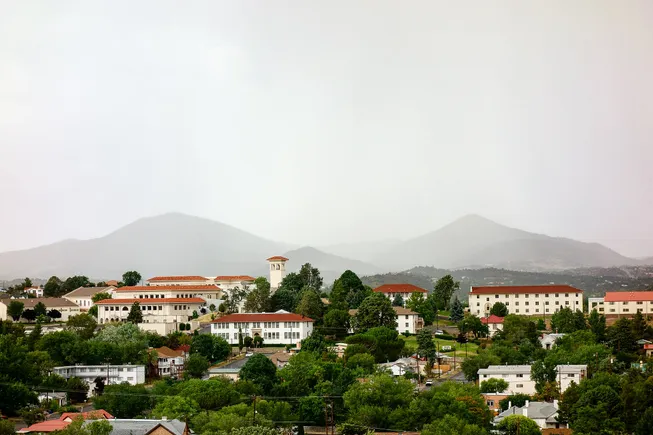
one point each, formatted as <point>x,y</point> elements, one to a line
<point>329,420</point>
<point>254,417</point>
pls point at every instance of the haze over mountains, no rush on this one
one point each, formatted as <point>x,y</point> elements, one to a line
<point>175,243</point>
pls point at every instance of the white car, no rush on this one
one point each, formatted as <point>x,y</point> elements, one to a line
<point>248,354</point>
<point>428,382</point>
<point>439,332</point>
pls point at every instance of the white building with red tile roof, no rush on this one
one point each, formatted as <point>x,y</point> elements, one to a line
<point>230,282</point>
<point>528,300</point>
<point>211,293</point>
<point>181,280</point>
<point>404,290</point>
<point>280,327</point>
<point>170,362</point>
<point>625,303</point>
<point>277,270</point>
<point>494,323</point>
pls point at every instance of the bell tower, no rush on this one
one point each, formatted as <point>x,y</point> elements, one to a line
<point>277,271</point>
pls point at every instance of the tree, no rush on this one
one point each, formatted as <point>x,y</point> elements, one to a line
<point>258,341</point>
<point>310,277</point>
<point>261,371</point>
<point>52,288</point>
<point>425,345</point>
<point>77,390</point>
<point>443,290</point>
<point>452,425</point>
<point>376,310</point>
<point>597,325</point>
<point>363,361</point>
<point>336,322</point>
<point>516,329</point>
<point>566,321</point>
<point>248,341</point>
<point>73,283</point>
<point>499,309</point>
<point>83,325</point>
<point>382,342</point>
<point>124,400</point>
<point>494,385</point>
<point>398,301</point>
<point>639,325</point>
<point>54,314</point>
<point>135,314</point>
<point>131,278</point>
<point>473,324</point>
<point>241,344</point>
<point>424,307</point>
<point>7,428</point>
<point>348,291</point>
<point>258,300</point>
<point>40,309</point>
<point>310,304</point>
<point>29,315</point>
<point>457,311</point>
<point>178,407</point>
<point>482,361</point>
<point>518,425</point>
<point>15,310</point>
<point>196,365</point>
<point>620,336</point>
<point>34,337</point>
<point>541,325</point>
<point>518,400</point>
<point>97,297</point>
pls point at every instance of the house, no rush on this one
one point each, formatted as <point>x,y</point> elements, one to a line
<point>407,321</point>
<point>64,420</point>
<point>648,348</point>
<point>170,362</point>
<point>161,315</point>
<point>83,296</point>
<point>230,282</point>
<point>146,427</point>
<point>494,323</point>
<point>403,290</point>
<point>519,379</point>
<point>63,306</point>
<point>34,291</point>
<point>492,401</point>
<point>280,359</point>
<point>59,396</point>
<point>177,280</point>
<point>544,414</point>
<point>111,374</point>
<point>619,304</point>
<point>399,368</point>
<point>529,300</point>
<point>112,283</point>
<point>339,349</point>
<point>549,340</point>
<point>211,293</point>
<point>232,373</point>
<point>47,426</point>
<point>280,327</point>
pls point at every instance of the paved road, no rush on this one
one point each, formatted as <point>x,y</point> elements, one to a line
<point>236,364</point>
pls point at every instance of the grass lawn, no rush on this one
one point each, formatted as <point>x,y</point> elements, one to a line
<point>472,349</point>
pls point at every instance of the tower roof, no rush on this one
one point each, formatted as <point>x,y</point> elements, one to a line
<point>277,258</point>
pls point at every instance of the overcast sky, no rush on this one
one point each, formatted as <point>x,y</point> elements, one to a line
<point>317,122</point>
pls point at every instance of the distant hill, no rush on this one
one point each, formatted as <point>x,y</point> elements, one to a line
<point>170,244</point>
<point>474,241</point>
<point>364,251</point>
<point>331,266</point>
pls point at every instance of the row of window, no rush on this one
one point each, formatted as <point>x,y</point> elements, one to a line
<point>291,335</point>
<point>537,310</point>
<point>537,295</point>
<point>270,335</point>
<point>266,325</point>
<point>149,308</point>
<point>478,304</point>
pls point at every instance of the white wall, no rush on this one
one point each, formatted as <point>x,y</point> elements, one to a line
<point>272,332</point>
<point>527,304</point>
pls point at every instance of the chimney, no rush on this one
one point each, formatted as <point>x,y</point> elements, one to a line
<point>527,403</point>
<point>164,418</point>
<point>555,403</point>
<point>509,404</point>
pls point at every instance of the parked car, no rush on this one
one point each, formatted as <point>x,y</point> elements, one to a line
<point>439,332</point>
<point>428,382</point>
<point>248,354</point>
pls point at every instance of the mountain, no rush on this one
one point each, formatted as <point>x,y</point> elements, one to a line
<point>364,251</point>
<point>331,266</point>
<point>170,244</point>
<point>474,241</point>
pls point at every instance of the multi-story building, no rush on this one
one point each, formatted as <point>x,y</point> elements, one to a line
<point>65,307</point>
<point>277,270</point>
<point>170,363</point>
<point>161,315</point>
<point>112,374</point>
<point>178,280</point>
<point>528,300</point>
<point>281,327</point>
<point>404,290</point>
<point>83,296</point>
<point>211,293</point>
<point>37,292</point>
<point>407,320</point>
<point>625,303</point>
<point>519,378</point>
<point>230,282</point>
<point>494,324</point>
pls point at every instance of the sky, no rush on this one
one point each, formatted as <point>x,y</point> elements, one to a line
<point>327,121</point>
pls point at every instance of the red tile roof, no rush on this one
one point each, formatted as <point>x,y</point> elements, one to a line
<point>166,352</point>
<point>511,289</point>
<point>263,317</point>
<point>90,415</point>
<point>399,288</point>
<point>46,426</point>
<point>648,346</point>
<point>491,319</point>
<point>178,278</point>
<point>628,296</point>
<point>151,301</point>
<point>155,288</point>
<point>234,278</point>
<point>277,258</point>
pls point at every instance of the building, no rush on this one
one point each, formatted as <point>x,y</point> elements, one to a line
<point>403,290</point>
<point>112,283</point>
<point>492,401</point>
<point>231,373</point>
<point>277,270</point>
<point>542,413</point>
<point>528,300</point>
<point>407,320</point>
<point>146,427</point>
<point>549,340</point>
<point>494,324</point>
<point>616,304</point>
<point>112,374</point>
<point>83,296</point>
<point>281,327</point>
<point>97,414</point>
<point>63,306</point>
<point>178,280</point>
<point>648,348</point>
<point>170,363</point>
<point>211,293</point>
<point>230,282</point>
<point>519,379</point>
<point>161,315</point>
<point>34,291</point>
<point>59,396</point>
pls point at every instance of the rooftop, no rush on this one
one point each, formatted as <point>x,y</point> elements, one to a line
<point>90,415</point>
<point>232,278</point>
<point>84,292</point>
<point>143,427</point>
<point>46,426</point>
<point>491,319</point>
<point>628,296</point>
<point>399,288</point>
<point>491,370</point>
<point>262,317</point>
<point>157,288</point>
<point>277,258</point>
<point>399,310</point>
<point>48,302</point>
<point>166,352</point>
<point>151,301</point>
<point>521,289</point>
<point>175,278</point>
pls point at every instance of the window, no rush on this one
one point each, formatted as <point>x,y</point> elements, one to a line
<point>537,302</point>
<point>526,302</point>
<point>640,303</point>
<point>520,385</point>
<point>625,310</point>
<point>546,302</point>
<point>566,295</point>
<point>517,310</point>
<point>557,302</point>
<point>406,324</point>
<point>527,310</point>
<point>495,297</point>
<point>566,302</point>
<point>557,295</point>
<point>537,295</point>
<point>537,310</point>
<point>547,310</point>
<point>478,304</point>
<point>406,316</point>
<point>546,295</point>
<point>520,375</point>
<point>570,375</point>
<point>488,299</point>
<point>517,303</point>
<point>490,403</point>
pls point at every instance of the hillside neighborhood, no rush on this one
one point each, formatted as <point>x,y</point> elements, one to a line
<point>527,357</point>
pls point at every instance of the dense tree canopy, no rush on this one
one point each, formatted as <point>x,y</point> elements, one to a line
<point>376,310</point>
<point>131,278</point>
<point>499,309</point>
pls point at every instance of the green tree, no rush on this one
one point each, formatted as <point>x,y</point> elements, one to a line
<point>248,342</point>
<point>7,428</point>
<point>337,322</point>
<point>77,390</point>
<point>261,371</point>
<point>135,314</point>
<point>425,345</point>
<point>97,297</point>
<point>472,324</point>
<point>518,425</point>
<point>178,407</point>
<point>597,325</point>
<point>483,360</point>
<point>310,277</point>
<point>314,342</point>
<point>73,283</point>
<point>638,325</point>
<point>196,366</point>
<point>398,301</point>
<point>34,337</point>
<point>131,278</point>
<point>15,309</point>
<point>443,290</point>
<point>457,313</point>
<point>258,300</point>
<point>363,361</point>
<point>124,400</point>
<point>620,336</point>
<point>54,314</point>
<point>516,329</point>
<point>40,309</point>
<point>310,304</point>
<point>541,325</point>
<point>82,324</point>
<point>499,309</point>
<point>566,321</point>
<point>376,310</point>
<point>452,425</point>
<point>543,372</point>
<point>494,385</point>
<point>29,315</point>
<point>382,342</point>
<point>422,306</point>
<point>241,344</point>
<point>348,291</point>
<point>518,400</point>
